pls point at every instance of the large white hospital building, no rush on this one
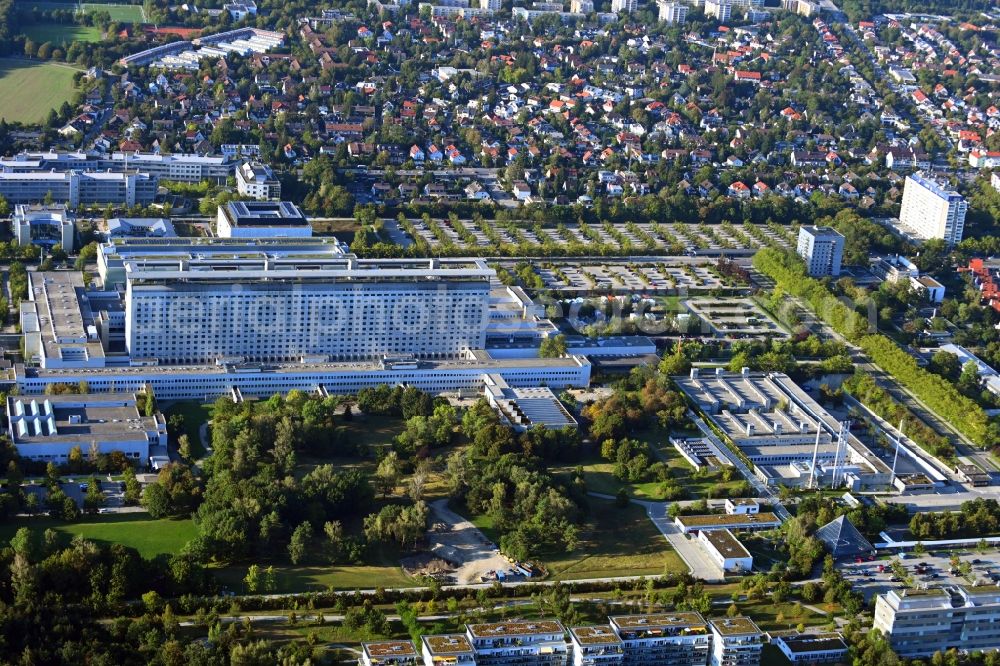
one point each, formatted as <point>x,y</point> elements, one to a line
<point>200,318</point>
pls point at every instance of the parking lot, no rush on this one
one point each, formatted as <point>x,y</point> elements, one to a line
<point>631,238</point>
<point>927,571</point>
<point>736,317</point>
<point>113,492</point>
<point>634,276</point>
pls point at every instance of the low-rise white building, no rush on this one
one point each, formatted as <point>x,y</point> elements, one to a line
<point>48,427</point>
<point>742,506</point>
<point>726,550</point>
<point>812,648</point>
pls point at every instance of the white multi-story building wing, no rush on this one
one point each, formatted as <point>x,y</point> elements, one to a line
<point>349,309</point>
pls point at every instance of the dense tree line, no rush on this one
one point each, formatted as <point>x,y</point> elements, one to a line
<point>867,391</point>
<point>937,392</point>
<point>976,518</point>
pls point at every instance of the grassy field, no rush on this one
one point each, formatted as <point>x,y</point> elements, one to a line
<point>137,530</point>
<point>600,478</point>
<point>616,542</point>
<point>386,572</point>
<point>29,89</point>
<point>62,34</point>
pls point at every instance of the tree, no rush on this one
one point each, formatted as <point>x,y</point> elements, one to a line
<point>94,498</point>
<point>553,346</point>
<point>133,490</point>
<point>184,447</point>
<point>299,544</point>
<point>156,500</point>
<point>387,474</point>
<point>252,579</point>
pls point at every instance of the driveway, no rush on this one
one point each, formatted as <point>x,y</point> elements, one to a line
<point>463,544</point>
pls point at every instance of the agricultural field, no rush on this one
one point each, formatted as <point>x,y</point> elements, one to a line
<point>29,89</point>
<point>61,34</point>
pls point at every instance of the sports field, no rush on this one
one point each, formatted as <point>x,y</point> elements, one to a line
<point>60,34</point>
<point>119,13</point>
<point>122,13</point>
<point>29,89</point>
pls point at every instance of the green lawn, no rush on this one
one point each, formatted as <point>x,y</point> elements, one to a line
<point>194,414</point>
<point>137,530</point>
<point>119,13</point>
<point>28,90</point>
<point>616,542</point>
<point>62,34</point>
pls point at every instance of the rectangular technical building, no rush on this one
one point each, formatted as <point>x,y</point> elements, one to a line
<point>262,219</point>
<point>48,428</point>
<point>782,429</point>
<point>681,638</point>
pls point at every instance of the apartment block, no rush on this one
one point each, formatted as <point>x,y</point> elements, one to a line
<point>581,6</point>
<point>931,210</point>
<point>596,646</point>
<point>921,622</point>
<point>736,641</point>
<point>624,5</point>
<point>679,639</point>
<point>388,653</point>
<point>719,9</point>
<point>673,12</point>
<point>822,248</point>
<point>447,650</point>
<point>257,181</point>
<point>540,643</point>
